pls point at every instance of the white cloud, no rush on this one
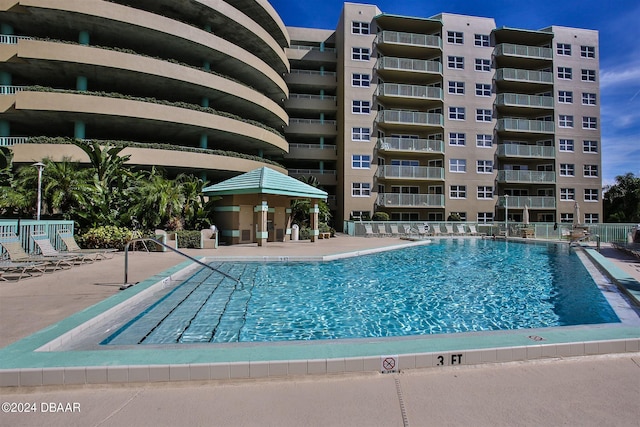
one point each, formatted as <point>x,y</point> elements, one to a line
<point>621,75</point>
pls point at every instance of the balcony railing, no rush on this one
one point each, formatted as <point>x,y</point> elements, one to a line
<point>413,145</point>
<point>528,76</point>
<point>407,64</point>
<point>311,122</point>
<point>6,141</point>
<point>409,91</point>
<point>536,52</point>
<point>411,200</point>
<point>11,90</point>
<point>410,117</point>
<point>315,48</point>
<point>7,39</point>
<point>410,172</point>
<point>410,39</point>
<point>311,97</point>
<point>313,72</point>
<point>520,100</point>
<point>313,146</point>
<point>531,177</point>
<point>524,125</point>
<point>532,202</point>
<point>521,150</point>
<point>311,172</point>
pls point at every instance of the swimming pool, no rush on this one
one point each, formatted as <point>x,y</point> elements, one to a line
<point>454,285</point>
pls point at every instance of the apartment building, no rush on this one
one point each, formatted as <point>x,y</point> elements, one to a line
<point>450,117</point>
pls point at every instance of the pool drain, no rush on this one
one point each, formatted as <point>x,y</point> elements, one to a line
<point>536,338</point>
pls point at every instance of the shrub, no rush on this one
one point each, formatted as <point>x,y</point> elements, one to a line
<point>380,216</point>
<point>188,239</point>
<point>106,237</point>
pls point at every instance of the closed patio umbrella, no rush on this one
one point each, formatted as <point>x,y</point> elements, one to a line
<point>525,214</point>
<point>576,214</point>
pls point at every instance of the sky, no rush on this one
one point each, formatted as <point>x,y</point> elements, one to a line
<point>618,23</point>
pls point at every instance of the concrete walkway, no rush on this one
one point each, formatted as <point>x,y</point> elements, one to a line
<point>585,391</point>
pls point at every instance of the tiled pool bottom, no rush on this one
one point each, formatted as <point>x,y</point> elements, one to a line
<point>41,359</point>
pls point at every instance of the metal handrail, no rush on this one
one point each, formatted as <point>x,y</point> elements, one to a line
<point>142,239</point>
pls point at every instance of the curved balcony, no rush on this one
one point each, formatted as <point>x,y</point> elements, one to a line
<point>526,151</point>
<point>410,172</point>
<point>409,118</point>
<point>136,28</point>
<point>113,116</point>
<point>140,74</point>
<point>426,146</point>
<point>526,177</point>
<point>531,202</point>
<point>525,126</point>
<point>398,200</point>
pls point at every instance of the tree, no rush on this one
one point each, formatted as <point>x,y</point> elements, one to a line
<point>66,187</point>
<point>159,201</point>
<point>622,199</point>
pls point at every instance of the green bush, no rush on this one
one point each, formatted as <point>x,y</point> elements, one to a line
<point>380,216</point>
<point>305,233</point>
<point>105,237</point>
<point>188,239</point>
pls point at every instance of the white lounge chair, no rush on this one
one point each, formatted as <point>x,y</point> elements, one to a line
<point>394,229</point>
<point>368,231</point>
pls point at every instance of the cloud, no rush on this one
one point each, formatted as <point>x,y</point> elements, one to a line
<point>623,74</point>
<point>620,155</point>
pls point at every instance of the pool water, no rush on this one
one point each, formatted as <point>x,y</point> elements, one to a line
<point>450,286</point>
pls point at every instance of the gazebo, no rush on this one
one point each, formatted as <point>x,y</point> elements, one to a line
<point>254,206</point>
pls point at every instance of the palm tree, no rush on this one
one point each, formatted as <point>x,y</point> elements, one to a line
<point>159,200</point>
<point>66,187</point>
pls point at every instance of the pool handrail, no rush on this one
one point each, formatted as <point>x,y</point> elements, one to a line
<point>143,239</point>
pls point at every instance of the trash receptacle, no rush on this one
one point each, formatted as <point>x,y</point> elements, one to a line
<point>295,232</point>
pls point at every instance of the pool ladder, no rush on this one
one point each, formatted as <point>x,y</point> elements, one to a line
<point>126,283</point>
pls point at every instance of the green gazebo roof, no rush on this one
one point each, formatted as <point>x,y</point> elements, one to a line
<point>264,181</point>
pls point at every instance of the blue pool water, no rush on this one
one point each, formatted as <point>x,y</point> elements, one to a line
<point>454,285</point>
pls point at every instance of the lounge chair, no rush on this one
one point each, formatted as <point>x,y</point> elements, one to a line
<point>73,248</point>
<point>46,249</point>
<point>436,231</point>
<point>16,253</point>
<point>449,228</point>
<point>382,230</point>
<point>21,269</point>
<point>394,229</point>
<point>406,228</point>
<point>368,231</point>
<point>422,230</point>
<point>474,232</point>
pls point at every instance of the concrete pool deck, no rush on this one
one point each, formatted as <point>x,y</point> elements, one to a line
<point>609,386</point>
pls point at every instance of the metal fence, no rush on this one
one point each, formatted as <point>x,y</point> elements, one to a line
<point>23,229</point>
<point>607,233</point>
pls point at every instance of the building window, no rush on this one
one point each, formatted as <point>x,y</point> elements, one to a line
<point>565,96</point>
<point>484,140</point>
<point>456,138</point>
<point>591,194</point>
<point>565,121</point>
<point>458,192</point>
<point>458,165</point>
<point>589,146</point>
<point>563,49</point>
<point>588,98</point>
<point>481,40</point>
<point>568,194</point>
<point>359,27</point>
<point>360,134</point>
<point>591,218</point>
<point>589,123</point>
<point>590,170</point>
<point>566,145</point>
<point>361,107</point>
<point>455,37</point>
<point>455,62</point>
<point>483,65</point>
<point>567,169</point>
<point>456,88</point>
<point>485,217</point>
<point>360,53</point>
<point>483,115</point>
<point>361,161</point>
<point>360,80</point>
<point>360,189</point>
<point>587,51</point>
<point>483,89</point>
<point>566,217</point>
<point>588,75</point>
<point>456,113</point>
<point>485,192</point>
<point>564,73</point>
<point>484,166</point>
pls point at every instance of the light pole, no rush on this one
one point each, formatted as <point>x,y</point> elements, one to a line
<point>40,167</point>
<point>506,215</point>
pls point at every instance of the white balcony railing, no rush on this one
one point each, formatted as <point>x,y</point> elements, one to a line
<point>8,39</point>
<point>6,141</point>
<point>524,125</point>
<point>407,64</point>
<point>11,90</point>
<point>531,202</point>
<point>530,151</point>
<point>409,91</point>
<point>524,51</point>
<point>529,76</point>
<point>531,177</point>
<point>410,200</point>
<point>410,172</point>
<point>520,100</point>
<point>412,145</point>
<point>410,39</point>
<point>410,117</point>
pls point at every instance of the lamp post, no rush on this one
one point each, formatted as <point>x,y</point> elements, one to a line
<point>40,167</point>
<point>506,215</point>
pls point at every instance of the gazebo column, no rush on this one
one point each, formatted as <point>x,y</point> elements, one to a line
<point>260,219</point>
<point>313,219</point>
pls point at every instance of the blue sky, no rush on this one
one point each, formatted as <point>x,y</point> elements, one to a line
<point>617,21</point>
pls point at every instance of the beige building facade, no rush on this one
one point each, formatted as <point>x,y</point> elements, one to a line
<point>449,117</point>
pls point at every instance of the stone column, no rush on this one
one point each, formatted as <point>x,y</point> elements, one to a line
<point>260,220</point>
<point>313,220</point>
